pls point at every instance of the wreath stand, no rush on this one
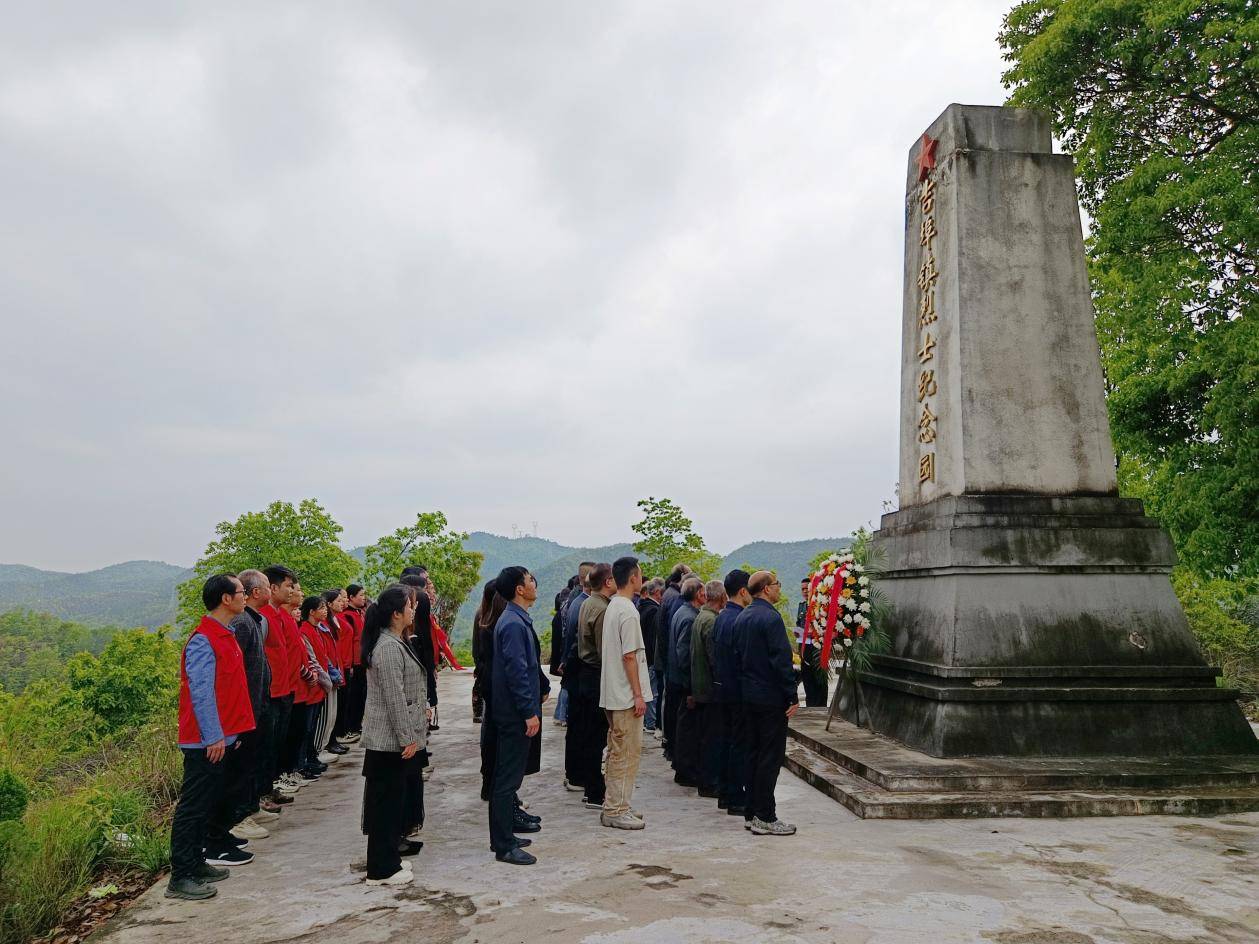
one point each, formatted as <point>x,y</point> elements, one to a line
<point>849,674</point>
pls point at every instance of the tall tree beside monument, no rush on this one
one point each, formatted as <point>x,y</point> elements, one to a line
<point>1032,611</point>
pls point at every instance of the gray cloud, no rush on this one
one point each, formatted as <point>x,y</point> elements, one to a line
<point>514,261</point>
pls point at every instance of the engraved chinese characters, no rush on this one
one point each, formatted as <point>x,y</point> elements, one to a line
<point>928,275</point>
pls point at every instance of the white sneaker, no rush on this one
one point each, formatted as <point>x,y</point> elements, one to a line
<point>285,789</point>
<point>292,781</point>
<point>248,829</point>
<point>400,877</point>
<point>572,787</point>
<point>777,828</point>
<point>623,821</point>
<point>428,772</point>
<point>350,738</point>
<point>264,816</point>
<point>326,758</point>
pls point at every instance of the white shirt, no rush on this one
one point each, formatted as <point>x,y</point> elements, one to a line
<point>622,634</point>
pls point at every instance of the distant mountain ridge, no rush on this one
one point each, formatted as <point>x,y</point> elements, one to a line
<point>142,593</point>
<point>135,593</point>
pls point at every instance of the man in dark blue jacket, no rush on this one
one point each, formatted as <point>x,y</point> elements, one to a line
<point>686,756</point>
<point>767,682</point>
<point>733,749</point>
<point>669,604</point>
<point>515,708</point>
<point>572,670</point>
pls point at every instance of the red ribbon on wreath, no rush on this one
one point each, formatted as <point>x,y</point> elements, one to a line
<point>832,615</point>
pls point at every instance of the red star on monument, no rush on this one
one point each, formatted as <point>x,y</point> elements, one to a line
<point>926,156</point>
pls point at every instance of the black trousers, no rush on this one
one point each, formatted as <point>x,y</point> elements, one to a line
<point>572,740</point>
<point>712,738</point>
<point>814,679</point>
<point>489,753</point>
<point>384,795</point>
<point>260,785</point>
<point>358,698</point>
<point>592,738</point>
<point>240,778</point>
<point>510,754</point>
<point>413,804</point>
<point>277,738</point>
<point>295,739</point>
<point>734,758</point>
<point>686,745</point>
<point>767,742</point>
<point>341,722</point>
<point>673,696</point>
<point>199,797</point>
<point>310,750</point>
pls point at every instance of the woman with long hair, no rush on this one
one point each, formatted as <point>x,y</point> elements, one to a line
<point>394,730</point>
<point>480,654</point>
<point>333,629</point>
<point>491,608</point>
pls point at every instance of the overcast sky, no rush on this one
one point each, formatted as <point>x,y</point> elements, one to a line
<point>515,261</point>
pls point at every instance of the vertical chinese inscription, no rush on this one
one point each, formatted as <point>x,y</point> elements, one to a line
<point>928,275</point>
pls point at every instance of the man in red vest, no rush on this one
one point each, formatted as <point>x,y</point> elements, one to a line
<point>214,710</point>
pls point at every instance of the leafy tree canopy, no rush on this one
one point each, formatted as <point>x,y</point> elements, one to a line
<point>667,538</point>
<point>305,538</point>
<point>1159,101</point>
<point>134,679</point>
<point>428,542</point>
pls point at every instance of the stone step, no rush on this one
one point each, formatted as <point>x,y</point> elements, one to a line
<point>870,801</point>
<point>885,763</point>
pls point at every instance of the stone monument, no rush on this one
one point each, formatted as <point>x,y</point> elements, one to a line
<point>1033,611</point>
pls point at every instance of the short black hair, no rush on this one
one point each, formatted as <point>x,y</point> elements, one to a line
<point>278,573</point>
<point>216,588</point>
<point>417,570</point>
<point>508,579</point>
<point>735,581</point>
<point>622,569</point>
<point>413,580</point>
<point>353,589</point>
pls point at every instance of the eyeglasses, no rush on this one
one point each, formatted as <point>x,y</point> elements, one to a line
<point>242,592</point>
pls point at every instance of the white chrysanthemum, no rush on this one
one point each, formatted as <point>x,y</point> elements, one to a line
<point>850,604</point>
<point>848,619</point>
<point>865,608</point>
<point>863,581</point>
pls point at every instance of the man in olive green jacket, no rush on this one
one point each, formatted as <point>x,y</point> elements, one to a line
<point>703,660</point>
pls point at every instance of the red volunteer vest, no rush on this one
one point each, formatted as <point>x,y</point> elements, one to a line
<point>277,653</point>
<point>355,619</point>
<point>231,691</point>
<point>313,693</point>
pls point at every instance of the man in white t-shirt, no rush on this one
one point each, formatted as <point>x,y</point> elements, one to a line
<point>624,690</point>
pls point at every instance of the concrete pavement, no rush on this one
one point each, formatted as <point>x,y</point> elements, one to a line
<point>695,875</point>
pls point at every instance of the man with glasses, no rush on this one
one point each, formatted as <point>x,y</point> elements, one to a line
<point>214,710</point>
<point>767,682</point>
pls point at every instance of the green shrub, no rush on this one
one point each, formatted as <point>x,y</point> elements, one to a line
<point>1217,611</point>
<point>13,795</point>
<point>135,678</point>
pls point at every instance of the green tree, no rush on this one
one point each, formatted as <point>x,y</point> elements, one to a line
<point>667,538</point>
<point>1217,614</point>
<point>134,679</point>
<point>305,538</point>
<point>453,569</point>
<point>1159,101</point>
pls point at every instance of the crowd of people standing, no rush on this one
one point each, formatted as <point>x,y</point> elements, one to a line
<point>275,684</point>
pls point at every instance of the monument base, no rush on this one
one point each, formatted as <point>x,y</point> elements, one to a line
<point>878,778</point>
<point>1038,626</point>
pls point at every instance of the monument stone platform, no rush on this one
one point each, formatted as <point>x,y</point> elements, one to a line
<point>877,777</point>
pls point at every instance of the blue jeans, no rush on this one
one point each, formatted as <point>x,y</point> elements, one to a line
<point>561,706</point>
<point>649,720</point>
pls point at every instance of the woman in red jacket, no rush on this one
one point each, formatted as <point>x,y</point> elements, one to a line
<point>340,634</point>
<point>315,680</point>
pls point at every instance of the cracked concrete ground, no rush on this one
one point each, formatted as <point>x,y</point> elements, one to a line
<point>697,876</point>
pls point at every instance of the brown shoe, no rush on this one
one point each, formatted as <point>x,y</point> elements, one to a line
<point>268,806</point>
<point>279,798</point>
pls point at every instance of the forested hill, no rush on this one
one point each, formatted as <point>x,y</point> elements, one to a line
<point>137,593</point>
<point>142,593</point>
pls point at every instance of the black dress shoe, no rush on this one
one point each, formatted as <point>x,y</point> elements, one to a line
<point>521,814</point>
<point>335,748</point>
<point>721,803</point>
<point>521,843</point>
<point>683,782</point>
<point>735,810</point>
<point>708,793</point>
<point>516,856</point>
<point>409,848</point>
<point>524,826</point>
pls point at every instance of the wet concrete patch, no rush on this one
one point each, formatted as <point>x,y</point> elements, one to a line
<point>658,876</point>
